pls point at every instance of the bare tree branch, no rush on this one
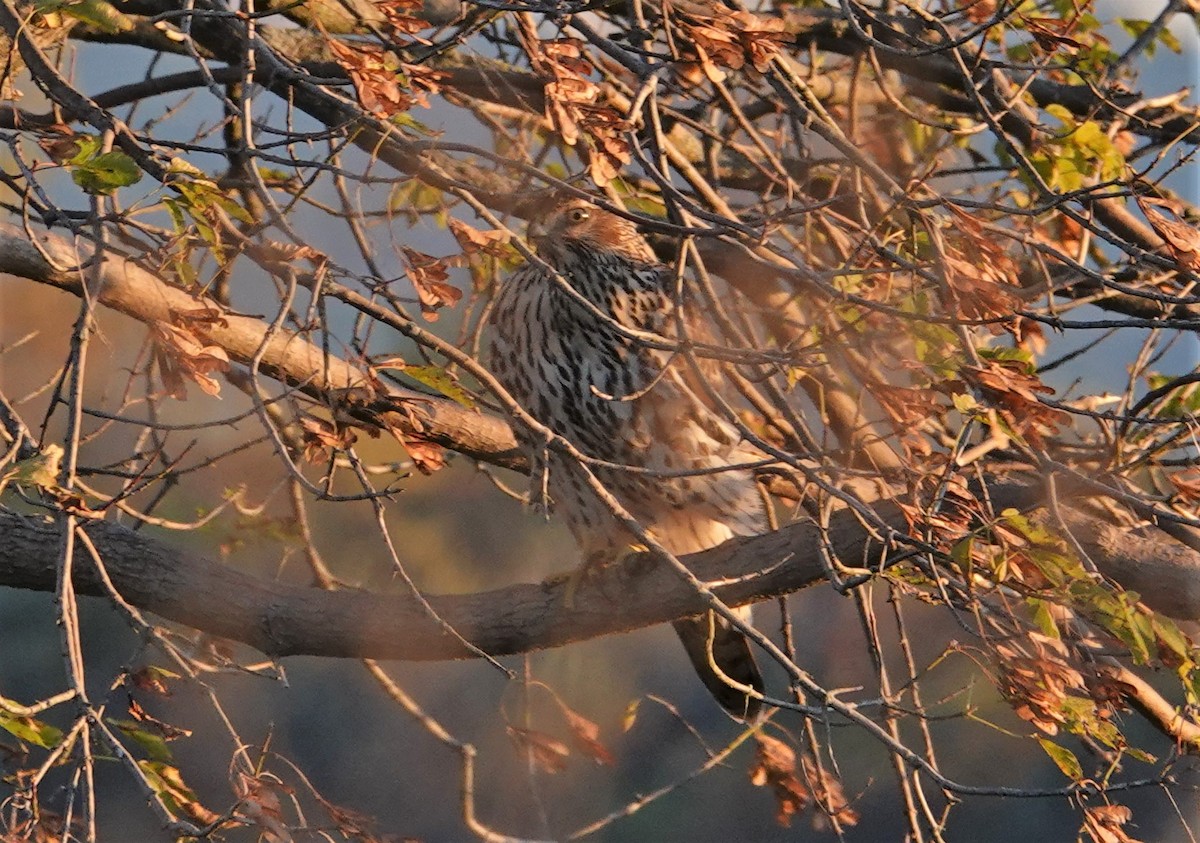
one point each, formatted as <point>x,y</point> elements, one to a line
<point>281,619</point>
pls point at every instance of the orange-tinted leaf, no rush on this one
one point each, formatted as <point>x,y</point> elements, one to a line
<point>183,356</point>
<point>775,765</point>
<point>1105,823</point>
<point>549,754</point>
<point>426,456</point>
<point>321,438</point>
<point>428,276</point>
<point>472,240</point>
<point>179,799</point>
<point>374,73</point>
<point>152,679</point>
<point>586,736</point>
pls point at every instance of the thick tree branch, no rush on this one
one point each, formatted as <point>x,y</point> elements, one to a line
<point>288,357</point>
<point>282,619</point>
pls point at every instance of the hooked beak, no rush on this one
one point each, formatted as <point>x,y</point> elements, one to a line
<point>537,231</point>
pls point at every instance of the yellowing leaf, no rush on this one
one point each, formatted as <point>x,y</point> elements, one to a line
<point>1063,758</point>
<point>30,730</point>
<point>438,379</point>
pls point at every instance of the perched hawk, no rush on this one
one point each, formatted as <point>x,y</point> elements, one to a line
<point>618,400</point>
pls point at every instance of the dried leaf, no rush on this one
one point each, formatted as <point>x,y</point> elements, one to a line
<point>179,799</point>
<point>573,107</point>
<point>426,456</point>
<point>473,241</point>
<point>151,678</point>
<point>728,38</point>
<point>1013,391</point>
<point>549,754</point>
<point>321,438</point>
<point>775,765</point>
<point>403,16</point>
<point>182,356</point>
<point>1104,823</point>
<point>428,276</point>
<point>374,72</point>
<point>586,736</point>
<point>1038,685</point>
<point>1051,33</point>
<point>259,802</point>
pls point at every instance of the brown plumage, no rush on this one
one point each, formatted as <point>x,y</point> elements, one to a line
<point>618,399</point>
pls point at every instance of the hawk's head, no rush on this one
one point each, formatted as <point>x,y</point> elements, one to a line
<point>580,225</point>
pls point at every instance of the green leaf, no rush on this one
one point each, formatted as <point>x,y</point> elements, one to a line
<point>30,730</point>
<point>176,795</point>
<point>1062,113</point>
<point>1043,616</point>
<point>102,173</point>
<point>1063,758</point>
<point>437,379</point>
<point>99,14</point>
<point>154,744</point>
<point>965,403</point>
<point>1140,755</point>
<point>40,470</point>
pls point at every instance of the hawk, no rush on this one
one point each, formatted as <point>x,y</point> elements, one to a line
<point>559,348</point>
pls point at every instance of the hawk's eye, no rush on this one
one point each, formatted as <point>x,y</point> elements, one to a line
<point>578,214</point>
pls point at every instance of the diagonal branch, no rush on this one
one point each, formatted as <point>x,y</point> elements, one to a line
<point>288,357</point>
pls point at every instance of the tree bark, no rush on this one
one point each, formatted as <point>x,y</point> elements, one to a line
<point>282,619</point>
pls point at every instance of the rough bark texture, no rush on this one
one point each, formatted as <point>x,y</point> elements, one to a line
<point>282,619</point>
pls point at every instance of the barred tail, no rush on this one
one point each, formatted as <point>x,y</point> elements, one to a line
<point>731,653</point>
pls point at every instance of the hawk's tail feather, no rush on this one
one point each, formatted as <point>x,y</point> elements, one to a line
<point>732,654</point>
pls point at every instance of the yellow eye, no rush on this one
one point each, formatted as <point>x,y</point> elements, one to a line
<point>578,214</point>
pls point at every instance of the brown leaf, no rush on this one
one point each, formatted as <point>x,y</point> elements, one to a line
<point>728,38</point>
<point>1051,33</point>
<point>982,279</point>
<point>166,730</point>
<point>546,752</point>
<point>829,795</point>
<point>1037,685</point>
<point>401,18</point>
<point>374,73</point>
<point>1013,391</point>
<point>574,109</point>
<point>321,438</point>
<point>58,142</point>
<point>168,782</point>
<point>1103,823</point>
<point>183,356</point>
<point>586,736</point>
<point>979,11</point>
<point>428,276</point>
<point>908,406</point>
<point>775,765</point>
<point>259,802</point>
<point>426,456</point>
<point>150,679</point>
<point>473,241</point>
<point>422,81</point>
